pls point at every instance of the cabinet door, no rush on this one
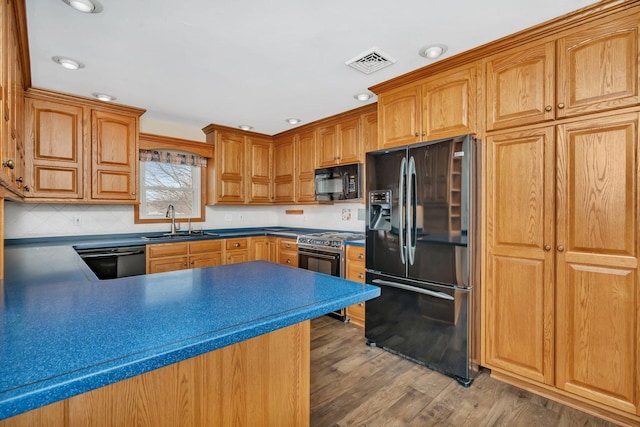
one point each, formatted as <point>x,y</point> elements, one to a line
<point>305,167</point>
<point>54,150</point>
<point>115,156</point>
<point>259,170</point>
<point>597,287</point>
<point>449,104</point>
<point>263,248</point>
<point>349,143</point>
<point>162,265</point>
<point>521,86</point>
<point>369,132</point>
<point>598,67</point>
<point>518,293</point>
<point>399,121</point>
<point>283,183</point>
<point>327,146</point>
<point>288,252</point>
<point>205,260</point>
<point>230,163</point>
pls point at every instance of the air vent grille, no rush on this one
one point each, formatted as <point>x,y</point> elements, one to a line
<point>370,61</point>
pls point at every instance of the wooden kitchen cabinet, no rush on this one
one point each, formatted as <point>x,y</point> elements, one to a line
<point>78,150</point>
<point>562,290</point>
<point>305,165</point>
<point>288,252</point>
<point>339,143</point>
<point>596,70</point>
<point>54,152</point>
<point>163,257</point>
<point>355,266</point>
<point>236,250</point>
<point>242,170</point>
<point>12,83</point>
<point>284,169</point>
<point>263,248</point>
<point>436,107</point>
<point>114,156</point>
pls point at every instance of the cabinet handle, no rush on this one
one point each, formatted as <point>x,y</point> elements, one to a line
<point>26,188</point>
<point>561,105</point>
<point>9,164</point>
<point>548,108</point>
<point>547,248</point>
<point>237,245</point>
<point>19,179</point>
<point>560,248</point>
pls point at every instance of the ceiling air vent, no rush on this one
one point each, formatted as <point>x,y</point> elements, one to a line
<point>371,60</point>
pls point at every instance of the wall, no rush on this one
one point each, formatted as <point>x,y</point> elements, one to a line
<point>24,220</point>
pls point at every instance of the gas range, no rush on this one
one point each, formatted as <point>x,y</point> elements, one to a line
<point>327,240</point>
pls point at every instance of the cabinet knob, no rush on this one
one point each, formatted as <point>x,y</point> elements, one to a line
<point>547,248</point>
<point>288,261</point>
<point>360,255</point>
<point>9,164</point>
<point>361,304</point>
<point>185,264</point>
<point>360,276</point>
<point>560,248</point>
<point>424,133</point>
<point>548,108</point>
<point>237,245</point>
<point>133,193</point>
<point>416,134</point>
<point>26,188</point>
<point>19,179</point>
<point>561,105</point>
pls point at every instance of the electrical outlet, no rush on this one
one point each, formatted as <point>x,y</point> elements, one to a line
<point>77,220</point>
<point>228,217</point>
<point>241,217</point>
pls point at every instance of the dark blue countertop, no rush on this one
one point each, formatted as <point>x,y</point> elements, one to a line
<point>62,334</point>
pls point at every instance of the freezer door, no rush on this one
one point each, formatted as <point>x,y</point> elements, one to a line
<point>386,219</point>
<point>424,322</point>
<point>438,212</point>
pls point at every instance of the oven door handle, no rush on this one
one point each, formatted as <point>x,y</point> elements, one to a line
<point>316,255</point>
<point>440,295</point>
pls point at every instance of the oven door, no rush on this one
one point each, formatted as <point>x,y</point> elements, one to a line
<point>321,261</point>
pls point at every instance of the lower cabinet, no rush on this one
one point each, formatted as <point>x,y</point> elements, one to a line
<point>236,250</point>
<point>165,257</point>
<point>287,252</point>
<point>263,248</point>
<point>356,272</point>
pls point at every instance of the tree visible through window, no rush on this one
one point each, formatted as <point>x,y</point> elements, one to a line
<point>164,184</point>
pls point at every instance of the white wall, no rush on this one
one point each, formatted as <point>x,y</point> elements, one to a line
<point>24,220</point>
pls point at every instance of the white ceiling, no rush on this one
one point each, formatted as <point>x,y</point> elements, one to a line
<point>256,62</point>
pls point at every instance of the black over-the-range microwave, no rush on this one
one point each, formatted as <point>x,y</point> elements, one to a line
<point>339,183</point>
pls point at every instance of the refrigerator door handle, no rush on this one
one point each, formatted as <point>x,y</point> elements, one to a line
<point>401,213</point>
<point>411,212</point>
<point>440,295</point>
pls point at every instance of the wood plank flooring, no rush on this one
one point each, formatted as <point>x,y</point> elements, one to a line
<point>356,385</point>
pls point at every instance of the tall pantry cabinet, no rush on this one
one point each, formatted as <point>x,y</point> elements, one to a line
<point>561,295</point>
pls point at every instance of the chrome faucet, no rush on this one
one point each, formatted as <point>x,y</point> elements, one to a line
<point>171,213</point>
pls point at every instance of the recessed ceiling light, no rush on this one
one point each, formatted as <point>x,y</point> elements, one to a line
<point>362,96</point>
<point>103,96</point>
<point>293,121</point>
<point>432,51</point>
<point>85,6</point>
<point>245,127</point>
<point>68,63</point>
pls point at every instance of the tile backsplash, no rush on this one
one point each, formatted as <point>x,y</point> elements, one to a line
<point>24,220</point>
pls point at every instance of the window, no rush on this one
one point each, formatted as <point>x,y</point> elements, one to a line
<point>164,184</point>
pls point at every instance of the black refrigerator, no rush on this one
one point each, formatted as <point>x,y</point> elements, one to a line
<point>422,250</point>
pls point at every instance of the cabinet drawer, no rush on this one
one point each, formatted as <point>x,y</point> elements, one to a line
<point>356,253</point>
<point>234,244</point>
<point>163,265</point>
<point>288,245</point>
<point>356,313</point>
<point>355,272</point>
<point>205,246</point>
<point>288,258</point>
<point>167,249</point>
<point>205,260</point>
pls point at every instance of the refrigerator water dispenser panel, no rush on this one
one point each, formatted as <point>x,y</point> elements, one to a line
<point>380,210</point>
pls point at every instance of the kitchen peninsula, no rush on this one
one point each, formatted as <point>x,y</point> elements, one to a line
<point>224,345</point>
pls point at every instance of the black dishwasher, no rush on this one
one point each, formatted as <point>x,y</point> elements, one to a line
<point>111,263</point>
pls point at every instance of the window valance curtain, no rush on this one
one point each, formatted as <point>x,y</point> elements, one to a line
<point>173,157</point>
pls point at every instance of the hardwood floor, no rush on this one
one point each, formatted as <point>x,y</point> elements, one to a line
<point>356,385</point>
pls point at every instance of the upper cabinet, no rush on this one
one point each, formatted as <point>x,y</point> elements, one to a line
<point>305,167</point>
<point>596,70</point>
<point>338,143</point>
<point>242,170</point>
<point>283,169</point>
<point>79,151</point>
<point>435,107</point>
